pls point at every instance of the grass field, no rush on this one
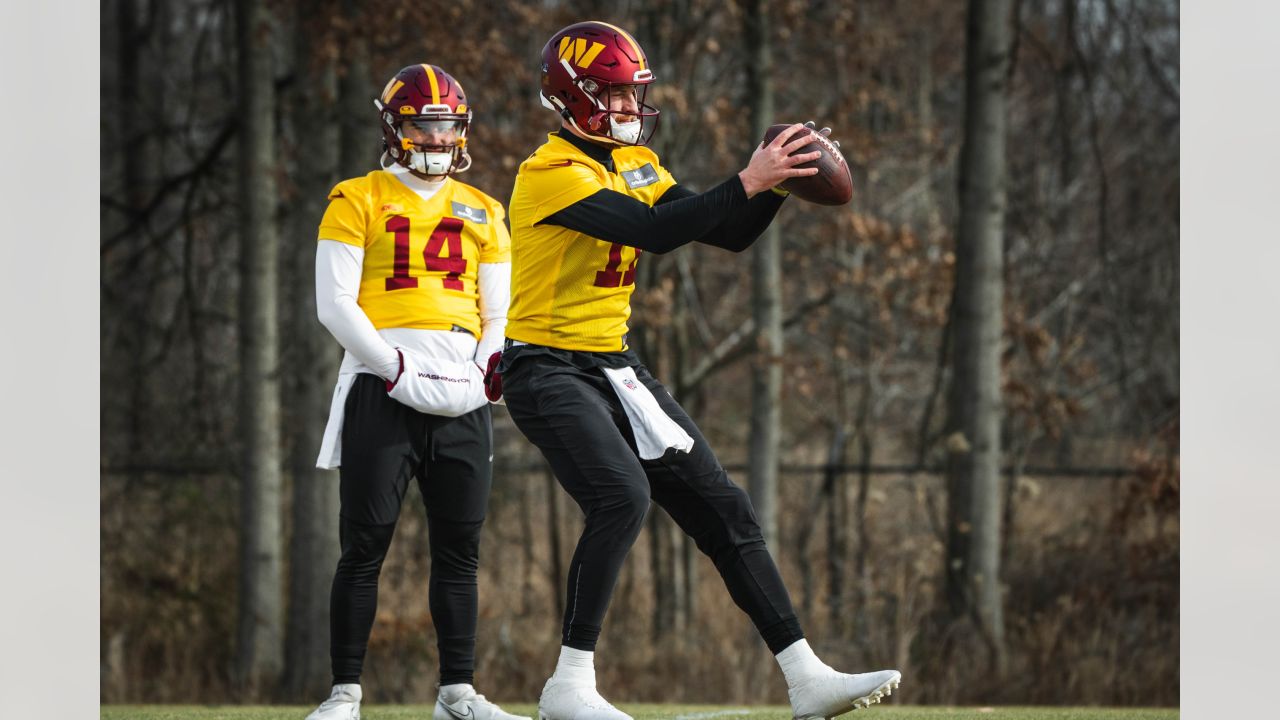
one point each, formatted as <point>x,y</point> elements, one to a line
<point>642,712</point>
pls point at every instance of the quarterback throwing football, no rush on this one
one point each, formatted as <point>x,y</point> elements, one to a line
<point>412,279</point>
<point>586,204</point>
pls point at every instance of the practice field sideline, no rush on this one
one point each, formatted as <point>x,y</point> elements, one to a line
<point>642,712</point>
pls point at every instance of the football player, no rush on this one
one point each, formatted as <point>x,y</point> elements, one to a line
<point>413,280</point>
<point>585,206</point>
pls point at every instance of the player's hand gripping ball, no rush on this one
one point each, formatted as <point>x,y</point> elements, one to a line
<point>833,185</point>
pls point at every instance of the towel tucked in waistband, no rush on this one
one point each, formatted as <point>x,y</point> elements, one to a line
<point>655,431</point>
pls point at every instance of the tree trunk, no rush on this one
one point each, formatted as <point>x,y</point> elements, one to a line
<point>837,529</point>
<point>766,299</point>
<point>866,447</point>
<point>312,359</point>
<point>136,167</point>
<point>357,116</point>
<point>675,575</point>
<point>861,568</point>
<point>683,546</point>
<point>261,621</point>
<point>689,579</point>
<point>526,547</point>
<point>658,576</point>
<point>973,443</point>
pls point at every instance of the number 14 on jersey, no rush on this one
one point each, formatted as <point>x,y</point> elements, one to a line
<point>447,235</point>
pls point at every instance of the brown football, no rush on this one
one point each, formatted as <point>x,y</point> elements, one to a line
<point>833,185</point>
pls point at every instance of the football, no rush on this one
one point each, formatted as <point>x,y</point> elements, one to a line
<point>833,185</point>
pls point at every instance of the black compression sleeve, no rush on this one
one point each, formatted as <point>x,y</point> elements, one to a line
<point>614,217</point>
<point>741,229</point>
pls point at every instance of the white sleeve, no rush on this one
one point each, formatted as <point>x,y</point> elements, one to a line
<point>338,268</point>
<point>495,297</point>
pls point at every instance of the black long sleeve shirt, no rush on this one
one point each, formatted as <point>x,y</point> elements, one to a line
<point>722,216</point>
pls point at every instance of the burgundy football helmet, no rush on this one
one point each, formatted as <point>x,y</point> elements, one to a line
<point>580,64</point>
<point>424,99</point>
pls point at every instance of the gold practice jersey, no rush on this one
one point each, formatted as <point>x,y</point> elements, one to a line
<point>420,256</point>
<point>570,290</point>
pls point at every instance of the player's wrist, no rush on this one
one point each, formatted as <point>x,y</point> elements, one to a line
<point>751,184</point>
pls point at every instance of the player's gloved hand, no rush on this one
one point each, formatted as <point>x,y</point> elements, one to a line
<point>493,378</point>
<point>825,132</point>
<point>437,387</point>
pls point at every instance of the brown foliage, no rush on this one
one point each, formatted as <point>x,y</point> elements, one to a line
<point>1090,355</point>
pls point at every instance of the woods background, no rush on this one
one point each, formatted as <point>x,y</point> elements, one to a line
<point>837,367</point>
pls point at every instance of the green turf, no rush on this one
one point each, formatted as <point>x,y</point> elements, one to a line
<point>641,712</point>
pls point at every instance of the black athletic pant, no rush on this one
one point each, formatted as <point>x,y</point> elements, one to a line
<point>384,443</point>
<point>572,414</point>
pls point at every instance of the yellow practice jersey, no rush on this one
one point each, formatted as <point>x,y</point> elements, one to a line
<point>570,290</point>
<point>420,256</point>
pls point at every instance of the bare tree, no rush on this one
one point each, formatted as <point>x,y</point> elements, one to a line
<point>1090,260</point>
<point>261,618</point>
<point>312,358</point>
<point>766,298</point>
<point>973,443</point>
<point>356,90</point>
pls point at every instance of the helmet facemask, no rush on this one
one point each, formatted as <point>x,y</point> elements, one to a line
<point>608,123</point>
<point>597,121</point>
<point>407,140</point>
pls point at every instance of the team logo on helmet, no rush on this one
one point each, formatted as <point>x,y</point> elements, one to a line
<point>579,50</point>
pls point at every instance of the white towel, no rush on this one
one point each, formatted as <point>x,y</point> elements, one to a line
<point>655,430</point>
<point>439,387</point>
<point>331,443</point>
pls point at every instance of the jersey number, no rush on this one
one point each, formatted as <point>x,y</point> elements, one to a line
<point>453,264</point>
<point>610,277</point>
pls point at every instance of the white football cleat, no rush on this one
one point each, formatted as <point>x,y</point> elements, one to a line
<point>343,704</point>
<point>830,693</point>
<point>471,707</point>
<point>563,700</point>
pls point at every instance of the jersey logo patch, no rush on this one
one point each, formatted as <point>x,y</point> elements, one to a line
<point>641,176</point>
<point>392,208</point>
<point>466,212</point>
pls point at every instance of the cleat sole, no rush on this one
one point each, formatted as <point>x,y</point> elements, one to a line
<point>859,703</point>
<point>866,701</point>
